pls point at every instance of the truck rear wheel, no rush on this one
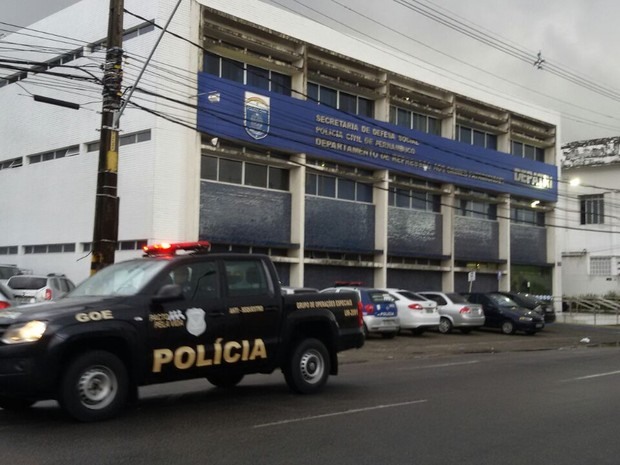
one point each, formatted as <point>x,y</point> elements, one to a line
<point>95,386</point>
<point>308,367</point>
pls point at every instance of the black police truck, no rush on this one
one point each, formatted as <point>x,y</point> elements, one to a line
<point>177,313</point>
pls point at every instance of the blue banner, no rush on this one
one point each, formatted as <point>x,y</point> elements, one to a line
<point>231,110</point>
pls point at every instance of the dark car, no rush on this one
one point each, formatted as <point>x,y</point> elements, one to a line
<point>504,313</point>
<point>529,301</point>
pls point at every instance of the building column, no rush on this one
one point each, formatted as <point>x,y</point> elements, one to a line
<point>448,212</point>
<point>503,218</point>
<point>380,199</point>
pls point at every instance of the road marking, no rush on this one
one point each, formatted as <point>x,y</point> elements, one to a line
<point>335,414</point>
<point>441,365</point>
<point>598,375</point>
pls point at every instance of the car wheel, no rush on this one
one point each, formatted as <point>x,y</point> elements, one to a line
<point>445,326</point>
<point>224,380</point>
<point>15,403</point>
<point>366,332</point>
<point>95,386</point>
<point>390,335</point>
<point>465,330</point>
<point>508,327</point>
<point>308,367</point>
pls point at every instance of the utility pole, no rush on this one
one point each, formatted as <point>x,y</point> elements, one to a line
<point>105,234</point>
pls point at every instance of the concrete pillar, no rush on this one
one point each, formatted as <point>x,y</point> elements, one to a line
<point>297,183</point>
<point>380,196</point>
<point>448,212</point>
<point>503,218</point>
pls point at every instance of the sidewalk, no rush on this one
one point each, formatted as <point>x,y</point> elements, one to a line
<point>597,319</point>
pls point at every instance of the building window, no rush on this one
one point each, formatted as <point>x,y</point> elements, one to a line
<point>411,120</point>
<point>341,100</point>
<point>600,266</point>
<point>413,199</point>
<point>527,216</point>
<point>8,250</point>
<point>135,137</point>
<point>338,188</point>
<point>477,209</point>
<point>54,154</point>
<point>592,209</point>
<point>475,137</point>
<point>12,163</point>
<point>527,151</point>
<point>245,173</point>
<point>49,248</point>
<point>246,74</point>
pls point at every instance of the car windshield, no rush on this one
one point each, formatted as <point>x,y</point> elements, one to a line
<point>125,278</point>
<point>27,282</point>
<point>457,298</point>
<point>502,300</point>
<point>6,272</point>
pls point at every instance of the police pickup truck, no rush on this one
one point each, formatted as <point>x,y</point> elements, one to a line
<point>169,316</point>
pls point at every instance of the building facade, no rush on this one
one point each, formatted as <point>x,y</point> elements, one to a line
<point>269,133</point>
<point>590,204</point>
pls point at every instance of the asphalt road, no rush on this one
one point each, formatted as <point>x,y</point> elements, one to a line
<point>482,398</point>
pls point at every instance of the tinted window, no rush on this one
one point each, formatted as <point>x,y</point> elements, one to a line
<point>246,277</point>
<point>27,282</point>
<point>230,171</point>
<point>255,175</point>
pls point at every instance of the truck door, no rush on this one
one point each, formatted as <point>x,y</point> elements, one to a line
<point>183,333</point>
<point>253,301</point>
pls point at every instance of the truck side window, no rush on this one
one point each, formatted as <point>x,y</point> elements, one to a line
<point>198,280</point>
<point>246,277</point>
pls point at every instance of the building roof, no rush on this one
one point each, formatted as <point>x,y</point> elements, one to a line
<point>593,152</point>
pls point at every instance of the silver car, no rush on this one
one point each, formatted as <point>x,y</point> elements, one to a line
<point>455,311</point>
<point>28,288</point>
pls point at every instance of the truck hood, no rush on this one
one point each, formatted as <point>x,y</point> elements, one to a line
<point>56,309</point>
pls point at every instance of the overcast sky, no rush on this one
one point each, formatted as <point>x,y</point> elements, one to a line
<point>574,36</point>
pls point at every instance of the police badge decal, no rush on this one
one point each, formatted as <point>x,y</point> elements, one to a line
<point>196,324</point>
<point>257,115</point>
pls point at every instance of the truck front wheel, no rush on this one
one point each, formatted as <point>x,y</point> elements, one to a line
<point>308,367</point>
<point>94,387</point>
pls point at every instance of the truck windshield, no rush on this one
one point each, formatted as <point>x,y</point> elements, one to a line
<point>125,278</point>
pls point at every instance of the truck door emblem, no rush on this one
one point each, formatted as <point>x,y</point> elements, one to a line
<point>196,324</point>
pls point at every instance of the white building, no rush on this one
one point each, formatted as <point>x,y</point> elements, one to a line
<point>590,205</point>
<point>341,161</point>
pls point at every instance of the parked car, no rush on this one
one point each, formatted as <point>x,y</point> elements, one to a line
<point>378,307</point>
<point>6,297</point>
<point>29,288</point>
<point>6,271</point>
<point>415,313</point>
<point>455,311</point>
<point>504,313</point>
<point>529,301</point>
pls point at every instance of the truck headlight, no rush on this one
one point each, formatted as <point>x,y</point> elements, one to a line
<point>24,332</point>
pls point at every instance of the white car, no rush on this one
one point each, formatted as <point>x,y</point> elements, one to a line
<point>455,311</point>
<point>416,313</point>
